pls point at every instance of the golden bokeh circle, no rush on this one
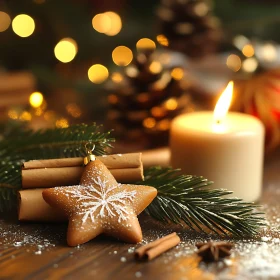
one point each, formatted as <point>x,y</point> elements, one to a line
<point>23,25</point>
<point>5,21</point>
<point>66,50</point>
<point>122,55</point>
<point>98,73</point>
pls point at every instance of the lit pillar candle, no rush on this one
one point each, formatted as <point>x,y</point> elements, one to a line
<point>226,148</point>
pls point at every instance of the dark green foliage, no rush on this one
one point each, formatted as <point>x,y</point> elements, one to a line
<point>54,143</point>
<point>186,199</point>
<point>20,144</point>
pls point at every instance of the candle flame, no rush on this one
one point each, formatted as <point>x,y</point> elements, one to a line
<point>223,103</point>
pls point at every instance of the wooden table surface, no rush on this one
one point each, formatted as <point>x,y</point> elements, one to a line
<point>39,251</point>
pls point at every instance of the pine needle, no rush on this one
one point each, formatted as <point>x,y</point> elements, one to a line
<point>21,144</point>
<point>54,143</point>
<point>186,199</point>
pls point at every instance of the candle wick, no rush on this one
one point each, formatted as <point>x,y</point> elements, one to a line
<point>218,121</point>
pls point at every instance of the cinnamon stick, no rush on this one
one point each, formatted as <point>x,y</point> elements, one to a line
<point>32,207</point>
<point>157,247</point>
<point>67,171</point>
<point>160,156</point>
<point>116,161</point>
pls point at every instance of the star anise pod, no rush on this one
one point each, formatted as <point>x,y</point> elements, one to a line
<point>213,251</point>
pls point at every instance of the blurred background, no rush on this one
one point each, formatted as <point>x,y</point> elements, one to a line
<point>134,65</point>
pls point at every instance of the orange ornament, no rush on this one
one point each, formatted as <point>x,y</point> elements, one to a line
<point>260,96</point>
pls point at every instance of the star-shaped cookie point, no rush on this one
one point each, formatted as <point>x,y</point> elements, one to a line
<point>101,205</point>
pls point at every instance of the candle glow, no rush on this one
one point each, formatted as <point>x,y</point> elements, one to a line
<point>226,148</point>
<point>223,104</point>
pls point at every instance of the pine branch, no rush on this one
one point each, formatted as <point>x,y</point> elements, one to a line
<point>21,144</point>
<point>54,143</point>
<point>186,199</point>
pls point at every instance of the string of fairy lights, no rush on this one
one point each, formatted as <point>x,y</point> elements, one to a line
<point>109,23</point>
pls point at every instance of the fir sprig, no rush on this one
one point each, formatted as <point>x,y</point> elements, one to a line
<point>181,199</point>
<point>54,143</point>
<point>21,144</point>
<point>186,199</point>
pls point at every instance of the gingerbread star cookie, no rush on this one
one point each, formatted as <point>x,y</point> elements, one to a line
<point>101,205</point>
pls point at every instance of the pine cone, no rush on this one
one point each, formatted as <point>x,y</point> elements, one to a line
<point>189,27</point>
<point>144,99</point>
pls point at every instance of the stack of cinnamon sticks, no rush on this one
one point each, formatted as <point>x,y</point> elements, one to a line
<point>40,174</point>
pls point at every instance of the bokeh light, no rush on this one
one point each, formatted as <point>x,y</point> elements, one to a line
<point>162,40</point>
<point>39,111</point>
<point>25,116</point>
<point>66,50</point>
<point>12,114</point>
<point>108,23</point>
<point>74,110</point>
<point>131,71</point>
<point>177,73</point>
<point>98,73</point>
<point>163,125</point>
<point>250,65</point>
<point>117,77</point>
<point>145,43</point>
<point>155,67</point>
<point>269,52</point>
<point>116,24</point>
<point>171,104</point>
<point>234,62</point>
<point>23,25</point>
<point>62,123</point>
<point>248,50</point>
<point>36,99</point>
<point>158,112</point>
<point>149,122</point>
<point>101,23</point>
<point>122,55</point>
<point>240,41</point>
<point>201,9</point>
<point>5,21</point>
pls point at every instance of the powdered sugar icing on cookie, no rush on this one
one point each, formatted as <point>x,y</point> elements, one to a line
<point>100,200</point>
